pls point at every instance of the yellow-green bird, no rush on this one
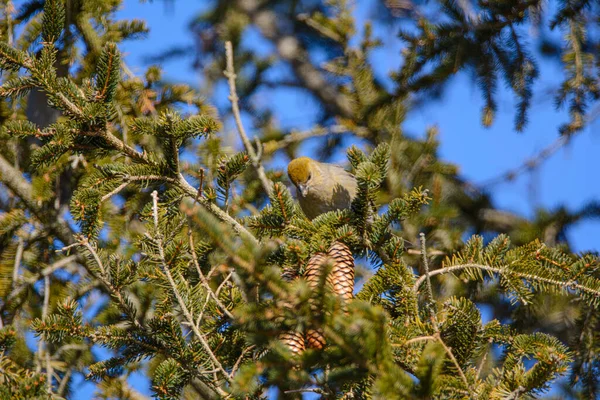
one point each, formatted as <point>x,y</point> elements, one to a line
<point>321,187</point>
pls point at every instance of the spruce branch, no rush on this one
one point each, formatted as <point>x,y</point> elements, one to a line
<point>104,278</point>
<point>15,181</point>
<point>184,309</point>
<point>235,108</point>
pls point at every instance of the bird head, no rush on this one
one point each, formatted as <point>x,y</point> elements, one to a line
<point>301,172</point>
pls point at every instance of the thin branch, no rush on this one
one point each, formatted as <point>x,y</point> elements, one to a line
<point>437,338</point>
<point>503,269</point>
<point>205,391</point>
<point>63,383</point>
<point>455,361</point>
<point>227,278</point>
<point>300,136</point>
<point>192,192</point>
<point>529,164</point>
<point>45,272</point>
<point>482,363</point>
<point>430,301</point>
<point>14,180</point>
<point>514,395</point>
<point>214,209</point>
<point>18,257</point>
<point>115,191</point>
<point>307,390</point>
<point>235,108</point>
<point>46,349</point>
<point>239,360</point>
<point>203,279</point>
<point>85,243</point>
<point>432,253</point>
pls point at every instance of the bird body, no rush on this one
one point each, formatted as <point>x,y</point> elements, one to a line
<point>321,187</point>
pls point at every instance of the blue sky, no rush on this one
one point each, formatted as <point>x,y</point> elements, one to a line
<point>567,178</point>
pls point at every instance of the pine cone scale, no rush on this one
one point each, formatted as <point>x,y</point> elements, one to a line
<point>294,341</point>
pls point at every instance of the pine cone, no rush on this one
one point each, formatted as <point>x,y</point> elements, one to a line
<point>293,340</point>
<point>341,279</point>
<point>289,274</point>
<point>315,339</point>
<point>314,269</point>
<point>342,274</point>
<point>312,273</point>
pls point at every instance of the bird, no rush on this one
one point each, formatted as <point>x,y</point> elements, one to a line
<point>321,187</point>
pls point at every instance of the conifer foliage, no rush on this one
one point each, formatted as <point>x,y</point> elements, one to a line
<point>217,285</point>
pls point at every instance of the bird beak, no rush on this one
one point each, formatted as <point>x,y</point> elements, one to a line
<point>303,189</point>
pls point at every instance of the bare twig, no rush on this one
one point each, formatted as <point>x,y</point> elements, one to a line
<point>235,108</point>
<point>239,360</point>
<point>115,191</point>
<point>529,164</point>
<point>299,136</point>
<point>18,257</point>
<point>415,340</point>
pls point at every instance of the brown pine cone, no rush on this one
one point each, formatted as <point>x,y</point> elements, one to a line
<point>289,274</point>
<point>312,273</point>
<point>315,339</point>
<point>342,274</point>
<point>314,269</point>
<point>293,340</point>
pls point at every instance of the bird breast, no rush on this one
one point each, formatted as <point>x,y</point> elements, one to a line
<point>334,191</point>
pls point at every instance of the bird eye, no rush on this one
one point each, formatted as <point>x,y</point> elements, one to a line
<point>309,176</point>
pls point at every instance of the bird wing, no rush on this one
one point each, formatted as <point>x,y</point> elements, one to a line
<point>342,177</point>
